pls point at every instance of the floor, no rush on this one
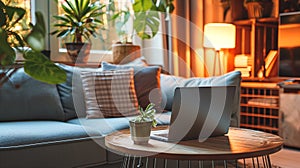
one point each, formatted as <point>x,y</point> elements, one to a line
<point>286,158</point>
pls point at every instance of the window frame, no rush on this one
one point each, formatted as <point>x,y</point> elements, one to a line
<point>49,8</point>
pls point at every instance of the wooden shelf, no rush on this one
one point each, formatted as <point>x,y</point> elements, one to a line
<point>260,116</point>
<point>261,84</point>
<point>259,96</point>
<point>260,106</point>
<point>259,127</point>
<point>249,22</point>
<point>255,38</point>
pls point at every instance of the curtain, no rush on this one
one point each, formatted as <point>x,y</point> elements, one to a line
<point>186,55</point>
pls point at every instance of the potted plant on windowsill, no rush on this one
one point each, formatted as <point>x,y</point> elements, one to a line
<point>140,126</point>
<point>80,20</point>
<point>28,40</point>
<point>146,21</point>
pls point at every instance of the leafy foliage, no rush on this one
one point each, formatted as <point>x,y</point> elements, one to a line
<point>11,39</point>
<point>146,19</point>
<point>81,19</point>
<point>40,68</point>
<point>147,115</point>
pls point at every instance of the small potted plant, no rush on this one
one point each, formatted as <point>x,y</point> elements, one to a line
<point>80,20</point>
<point>140,126</point>
<point>258,8</point>
<point>146,21</point>
<point>29,40</point>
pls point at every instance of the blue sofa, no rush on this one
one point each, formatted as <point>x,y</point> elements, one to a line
<point>43,125</point>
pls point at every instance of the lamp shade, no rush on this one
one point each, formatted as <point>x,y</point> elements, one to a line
<point>219,35</point>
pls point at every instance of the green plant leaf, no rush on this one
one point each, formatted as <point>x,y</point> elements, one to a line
<point>146,24</point>
<point>11,11</point>
<point>142,5</point>
<point>84,4</point>
<point>115,16</point>
<point>9,59</point>
<point>40,23</point>
<point>18,38</point>
<point>36,41</point>
<point>77,7</point>
<point>36,38</point>
<point>80,20</point>
<point>63,33</point>
<point>2,14</point>
<point>63,18</point>
<point>38,66</point>
<point>146,115</point>
<point>67,9</point>
<point>6,50</point>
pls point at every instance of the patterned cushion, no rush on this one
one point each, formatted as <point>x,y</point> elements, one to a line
<point>146,82</point>
<point>109,93</point>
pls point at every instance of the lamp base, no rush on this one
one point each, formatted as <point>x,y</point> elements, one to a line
<point>217,60</point>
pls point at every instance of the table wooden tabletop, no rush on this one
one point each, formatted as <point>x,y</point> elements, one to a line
<point>238,143</point>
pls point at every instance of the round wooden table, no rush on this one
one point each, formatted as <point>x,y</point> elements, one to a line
<point>231,149</point>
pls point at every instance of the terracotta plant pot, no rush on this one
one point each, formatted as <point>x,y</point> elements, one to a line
<point>140,132</point>
<point>124,53</point>
<point>78,52</point>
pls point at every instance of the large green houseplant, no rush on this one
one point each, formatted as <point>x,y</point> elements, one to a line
<point>146,19</point>
<point>81,20</point>
<point>12,40</point>
<point>146,22</point>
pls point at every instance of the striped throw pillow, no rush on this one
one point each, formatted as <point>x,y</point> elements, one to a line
<point>109,93</point>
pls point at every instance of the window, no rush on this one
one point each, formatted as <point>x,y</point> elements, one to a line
<point>23,25</point>
<point>26,4</point>
<point>101,46</point>
<point>107,36</point>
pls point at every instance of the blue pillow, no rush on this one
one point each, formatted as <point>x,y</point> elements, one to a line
<point>170,82</point>
<point>24,98</point>
<point>71,91</point>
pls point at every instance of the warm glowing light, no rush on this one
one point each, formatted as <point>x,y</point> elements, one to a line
<point>219,35</point>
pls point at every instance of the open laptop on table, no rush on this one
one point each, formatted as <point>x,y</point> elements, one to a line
<point>198,113</point>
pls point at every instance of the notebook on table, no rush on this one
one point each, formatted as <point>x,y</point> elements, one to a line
<point>198,113</point>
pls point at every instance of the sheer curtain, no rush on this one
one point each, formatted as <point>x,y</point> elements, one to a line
<point>186,55</point>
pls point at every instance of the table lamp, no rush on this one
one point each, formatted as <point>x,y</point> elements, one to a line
<point>219,36</point>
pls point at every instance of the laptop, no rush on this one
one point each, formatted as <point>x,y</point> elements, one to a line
<point>198,113</point>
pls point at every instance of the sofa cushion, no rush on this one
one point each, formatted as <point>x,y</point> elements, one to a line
<point>24,98</point>
<point>169,83</point>
<point>108,125</point>
<point>146,81</point>
<point>35,133</point>
<point>71,91</point>
<point>109,93</point>
<point>82,152</point>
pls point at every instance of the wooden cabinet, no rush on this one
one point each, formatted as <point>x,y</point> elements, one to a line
<point>290,115</point>
<point>255,38</point>
<point>260,106</point>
